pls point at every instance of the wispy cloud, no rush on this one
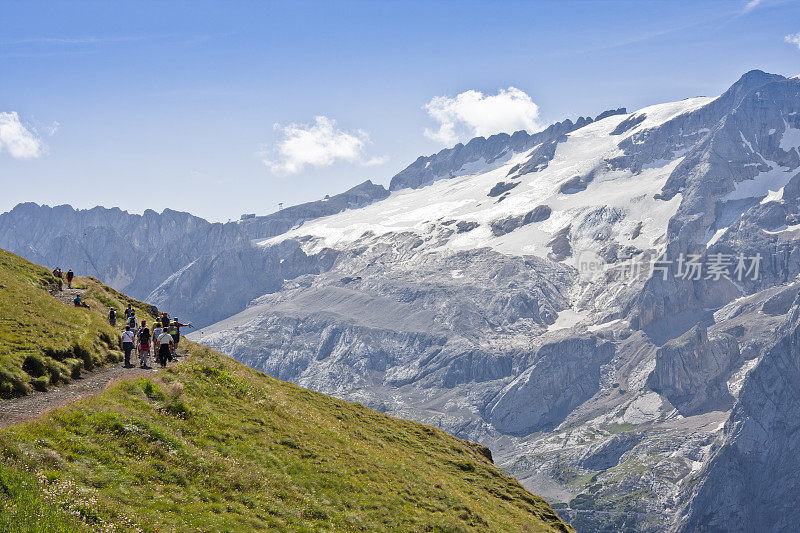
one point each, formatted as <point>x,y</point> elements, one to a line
<point>318,145</point>
<point>81,40</point>
<point>88,40</point>
<point>751,5</point>
<point>472,114</point>
<point>19,141</point>
<point>721,20</point>
<point>793,38</point>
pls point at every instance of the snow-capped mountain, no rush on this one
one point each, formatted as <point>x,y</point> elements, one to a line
<point>543,301</point>
<point>611,304</point>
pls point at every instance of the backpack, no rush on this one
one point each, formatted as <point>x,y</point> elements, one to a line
<point>144,336</point>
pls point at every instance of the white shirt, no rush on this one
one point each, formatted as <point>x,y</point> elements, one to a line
<point>127,336</point>
<point>165,338</point>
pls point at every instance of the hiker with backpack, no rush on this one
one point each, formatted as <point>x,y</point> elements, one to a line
<point>144,344</point>
<point>112,316</point>
<point>131,323</point>
<point>164,348</point>
<point>127,345</point>
<point>176,330</point>
<point>157,331</point>
<point>70,275</point>
<point>57,272</point>
<point>129,312</point>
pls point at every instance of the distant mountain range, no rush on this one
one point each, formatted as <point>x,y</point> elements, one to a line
<point>196,267</point>
<point>611,305</point>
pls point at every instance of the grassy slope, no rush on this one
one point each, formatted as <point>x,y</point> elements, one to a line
<point>216,446</point>
<point>58,340</point>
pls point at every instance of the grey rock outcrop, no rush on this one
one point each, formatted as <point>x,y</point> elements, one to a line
<point>692,371</point>
<point>751,482</point>
<point>501,187</point>
<point>562,375</point>
<point>509,224</point>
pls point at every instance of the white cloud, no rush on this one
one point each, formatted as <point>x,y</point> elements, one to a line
<point>751,5</point>
<point>320,145</point>
<point>472,114</point>
<point>16,139</point>
<point>794,39</point>
<point>376,161</point>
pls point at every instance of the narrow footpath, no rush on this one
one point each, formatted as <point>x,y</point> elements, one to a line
<point>19,410</point>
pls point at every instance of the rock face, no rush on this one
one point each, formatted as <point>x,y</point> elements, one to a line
<point>538,398</point>
<point>692,371</point>
<point>509,224</point>
<point>501,188</point>
<point>751,481</point>
<point>132,252</point>
<point>563,327</point>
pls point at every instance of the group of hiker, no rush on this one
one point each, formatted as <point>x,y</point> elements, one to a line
<point>165,337</point>
<point>70,274</point>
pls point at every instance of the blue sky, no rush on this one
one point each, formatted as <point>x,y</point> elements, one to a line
<point>211,107</point>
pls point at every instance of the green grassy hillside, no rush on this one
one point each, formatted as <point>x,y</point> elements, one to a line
<point>212,445</point>
<point>45,342</point>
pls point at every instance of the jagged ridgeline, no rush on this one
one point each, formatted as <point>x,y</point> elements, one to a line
<point>44,340</point>
<point>211,445</point>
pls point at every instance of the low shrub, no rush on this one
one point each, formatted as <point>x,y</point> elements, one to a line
<point>82,353</point>
<point>41,383</point>
<point>153,391</point>
<point>21,387</point>
<point>74,366</point>
<point>34,365</point>
<point>178,407</point>
<point>55,371</point>
<point>59,354</point>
